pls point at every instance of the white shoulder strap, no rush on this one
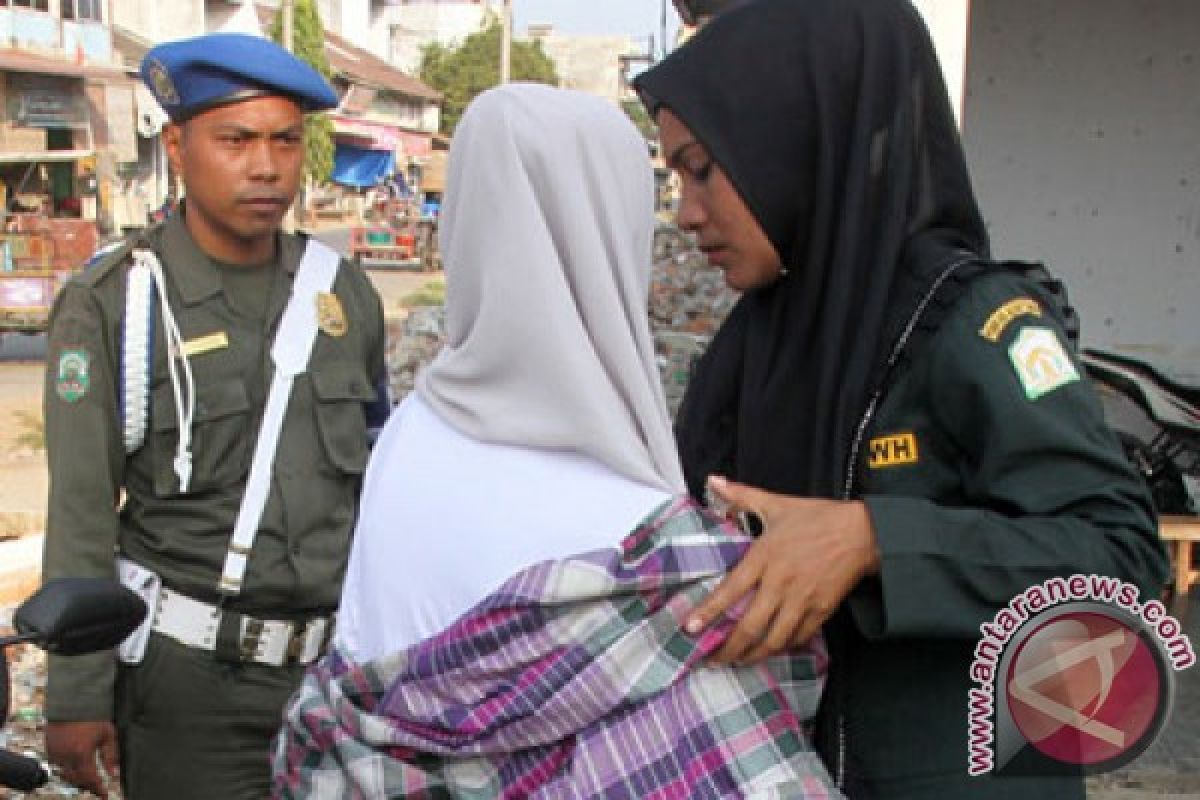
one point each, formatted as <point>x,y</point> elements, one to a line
<point>289,353</point>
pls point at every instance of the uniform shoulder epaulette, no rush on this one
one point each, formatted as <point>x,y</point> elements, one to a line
<point>1024,290</point>
<point>104,260</point>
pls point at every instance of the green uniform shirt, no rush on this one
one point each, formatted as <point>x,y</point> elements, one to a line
<point>102,500</point>
<point>987,469</point>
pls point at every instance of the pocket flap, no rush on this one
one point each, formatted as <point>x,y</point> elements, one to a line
<point>212,402</point>
<point>335,382</point>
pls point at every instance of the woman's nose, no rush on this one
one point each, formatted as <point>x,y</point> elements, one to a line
<point>690,215</point>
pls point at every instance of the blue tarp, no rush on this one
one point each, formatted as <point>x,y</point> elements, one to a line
<point>357,166</point>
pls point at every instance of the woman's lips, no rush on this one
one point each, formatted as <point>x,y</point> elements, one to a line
<point>715,253</point>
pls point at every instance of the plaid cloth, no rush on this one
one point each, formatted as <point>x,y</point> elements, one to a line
<point>572,680</point>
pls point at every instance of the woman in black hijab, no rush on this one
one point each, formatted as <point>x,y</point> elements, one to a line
<point>909,413</point>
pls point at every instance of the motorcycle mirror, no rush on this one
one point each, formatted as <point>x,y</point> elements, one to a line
<point>72,616</point>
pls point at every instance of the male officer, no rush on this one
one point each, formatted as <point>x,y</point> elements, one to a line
<point>208,392</point>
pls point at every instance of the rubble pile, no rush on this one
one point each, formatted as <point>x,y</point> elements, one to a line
<point>412,344</point>
<point>688,301</point>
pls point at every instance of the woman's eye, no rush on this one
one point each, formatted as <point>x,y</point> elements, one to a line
<point>700,170</point>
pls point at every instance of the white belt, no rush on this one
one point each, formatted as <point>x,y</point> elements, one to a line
<point>265,641</point>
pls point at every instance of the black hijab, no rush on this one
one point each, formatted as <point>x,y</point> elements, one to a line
<point>832,121</point>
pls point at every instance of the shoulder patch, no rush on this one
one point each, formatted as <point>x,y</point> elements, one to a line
<point>1003,316</point>
<point>74,374</point>
<point>1041,362</point>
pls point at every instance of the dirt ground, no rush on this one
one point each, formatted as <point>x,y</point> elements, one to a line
<point>22,465</point>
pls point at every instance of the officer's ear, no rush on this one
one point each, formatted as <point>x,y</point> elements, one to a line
<point>172,137</point>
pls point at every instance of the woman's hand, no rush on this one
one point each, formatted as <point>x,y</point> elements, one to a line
<point>811,553</point>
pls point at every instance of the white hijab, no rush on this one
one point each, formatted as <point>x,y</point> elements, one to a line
<point>546,234</point>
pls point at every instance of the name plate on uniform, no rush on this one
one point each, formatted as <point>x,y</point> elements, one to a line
<point>893,450</point>
<point>205,344</point>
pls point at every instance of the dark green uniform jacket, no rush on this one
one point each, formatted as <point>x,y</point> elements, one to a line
<point>982,478</point>
<point>300,553</point>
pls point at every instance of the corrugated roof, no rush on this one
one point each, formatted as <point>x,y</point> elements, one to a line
<point>354,62</point>
<point>363,66</point>
<point>14,60</point>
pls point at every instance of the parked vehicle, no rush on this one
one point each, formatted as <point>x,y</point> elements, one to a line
<point>68,616</point>
<point>1158,421</point>
<point>409,244</point>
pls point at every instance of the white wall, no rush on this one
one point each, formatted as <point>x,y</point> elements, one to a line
<point>160,21</point>
<point>349,19</point>
<point>947,23</point>
<point>588,63</point>
<point>416,23</point>
<point>1082,125</point>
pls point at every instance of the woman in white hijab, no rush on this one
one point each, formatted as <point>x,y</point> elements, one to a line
<point>511,620</point>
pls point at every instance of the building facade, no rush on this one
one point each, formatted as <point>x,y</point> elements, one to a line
<point>68,127</point>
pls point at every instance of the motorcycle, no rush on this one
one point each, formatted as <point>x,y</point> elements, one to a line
<point>1157,419</point>
<point>66,616</point>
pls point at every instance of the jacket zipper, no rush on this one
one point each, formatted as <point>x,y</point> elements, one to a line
<point>856,445</point>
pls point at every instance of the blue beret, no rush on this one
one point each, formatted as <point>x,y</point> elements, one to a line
<point>193,75</point>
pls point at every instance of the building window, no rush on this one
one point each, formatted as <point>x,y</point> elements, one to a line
<point>83,10</point>
<point>36,5</point>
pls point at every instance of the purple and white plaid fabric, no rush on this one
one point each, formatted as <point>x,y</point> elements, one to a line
<point>574,679</point>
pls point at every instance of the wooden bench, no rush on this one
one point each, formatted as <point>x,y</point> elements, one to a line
<point>1180,533</point>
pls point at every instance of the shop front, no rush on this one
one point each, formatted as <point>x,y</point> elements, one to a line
<point>49,192</point>
<point>366,154</point>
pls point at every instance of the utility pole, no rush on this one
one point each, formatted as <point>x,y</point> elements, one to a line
<point>662,28</point>
<point>506,41</point>
<point>289,17</point>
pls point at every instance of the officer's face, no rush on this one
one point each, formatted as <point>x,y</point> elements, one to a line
<point>241,166</point>
<point>710,207</point>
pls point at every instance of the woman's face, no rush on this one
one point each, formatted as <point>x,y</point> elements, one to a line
<point>709,206</point>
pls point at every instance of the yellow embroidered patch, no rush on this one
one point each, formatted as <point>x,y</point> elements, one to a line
<point>206,344</point>
<point>1002,316</point>
<point>893,450</point>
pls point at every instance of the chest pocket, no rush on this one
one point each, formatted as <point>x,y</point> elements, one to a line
<point>221,437</point>
<point>341,391</point>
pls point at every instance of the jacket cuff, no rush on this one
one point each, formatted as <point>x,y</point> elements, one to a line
<point>80,688</point>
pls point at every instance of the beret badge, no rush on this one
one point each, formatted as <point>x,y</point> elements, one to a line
<point>161,79</point>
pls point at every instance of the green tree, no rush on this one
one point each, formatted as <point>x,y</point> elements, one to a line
<point>640,118</point>
<point>462,72</point>
<point>308,43</point>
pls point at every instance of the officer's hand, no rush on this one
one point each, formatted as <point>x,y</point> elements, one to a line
<point>72,747</point>
<point>811,553</point>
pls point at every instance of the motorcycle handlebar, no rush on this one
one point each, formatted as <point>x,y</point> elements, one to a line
<point>20,772</point>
